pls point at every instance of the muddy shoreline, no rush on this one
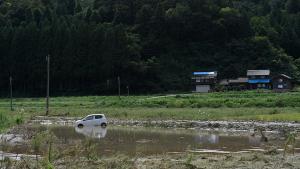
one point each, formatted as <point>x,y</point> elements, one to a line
<point>216,125</point>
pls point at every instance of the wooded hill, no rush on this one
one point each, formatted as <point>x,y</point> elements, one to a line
<point>153,45</point>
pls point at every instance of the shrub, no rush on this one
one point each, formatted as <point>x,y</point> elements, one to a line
<point>279,103</point>
<point>19,120</point>
<point>231,104</point>
<point>178,96</point>
<point>274,111</point>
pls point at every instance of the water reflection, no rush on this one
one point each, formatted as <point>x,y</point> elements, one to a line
<point>92,131</point>
<point>215,139</point>
<point>209,138</point>
<point>254,141</point>
<point>148,141</point>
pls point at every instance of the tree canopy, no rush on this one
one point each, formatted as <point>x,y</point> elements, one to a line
<point>153,45</point>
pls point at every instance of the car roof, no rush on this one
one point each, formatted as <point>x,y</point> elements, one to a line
<point>95,114</point>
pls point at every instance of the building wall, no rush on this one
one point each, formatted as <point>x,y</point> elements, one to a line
<point>203,88</point>
<point>238,86</point>
<point>259,77</point>
<point>260,84</point>
<point>280,83</point>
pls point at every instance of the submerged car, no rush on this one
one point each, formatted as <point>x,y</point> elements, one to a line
<point>92,120</point>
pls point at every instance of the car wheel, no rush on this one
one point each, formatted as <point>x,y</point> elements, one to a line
<point>80,125</point>
<point>103,125</point>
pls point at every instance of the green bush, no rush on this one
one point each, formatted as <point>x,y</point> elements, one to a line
<point>275,111</point>
<point>279,103</point>
<point>19,120</point>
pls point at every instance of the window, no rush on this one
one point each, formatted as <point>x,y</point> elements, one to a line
<point>280,86</point>
<point>98,117</point>
<point>89,118</point>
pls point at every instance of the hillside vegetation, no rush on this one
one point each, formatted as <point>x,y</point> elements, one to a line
<point>152,45</point>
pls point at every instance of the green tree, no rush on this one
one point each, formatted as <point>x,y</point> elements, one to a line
<point>293,6</point>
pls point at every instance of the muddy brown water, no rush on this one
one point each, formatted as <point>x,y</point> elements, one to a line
<point>150,141</point>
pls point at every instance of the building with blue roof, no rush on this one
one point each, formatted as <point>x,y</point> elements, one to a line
<point>259,79</point>
<point>204,81</point>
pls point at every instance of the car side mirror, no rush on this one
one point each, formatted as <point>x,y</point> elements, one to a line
<point>83,120</point>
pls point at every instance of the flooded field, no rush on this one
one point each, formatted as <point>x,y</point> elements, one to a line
<point>37,146</point>
<point>148,141</point>
<point>152,141</point>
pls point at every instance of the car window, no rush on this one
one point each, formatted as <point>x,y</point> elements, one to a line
<point>98,117</point>
<point>89,118</point>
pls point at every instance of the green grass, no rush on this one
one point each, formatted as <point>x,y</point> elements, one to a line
<point>8,119</point>
<point>263,114</point>
<point>248,105</point>
<point>210,100</point>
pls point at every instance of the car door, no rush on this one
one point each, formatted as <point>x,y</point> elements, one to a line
<point>88,121</point>
<point>98,120</point>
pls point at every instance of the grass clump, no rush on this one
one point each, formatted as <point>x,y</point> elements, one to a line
<point>290,144</point>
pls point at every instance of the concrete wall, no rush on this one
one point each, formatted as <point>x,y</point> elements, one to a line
<point>203,88</point>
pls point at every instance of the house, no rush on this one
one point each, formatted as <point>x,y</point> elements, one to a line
<point>282,83</point>
<point>224,82</point>
<point>204,81</point>
<point>240,83</point>
<point>259,79</point>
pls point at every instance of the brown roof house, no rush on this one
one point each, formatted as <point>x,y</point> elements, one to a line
<point>282,83</point>
<point>240,83</point>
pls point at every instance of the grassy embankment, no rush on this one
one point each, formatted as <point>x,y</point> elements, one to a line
<point>249,105</point>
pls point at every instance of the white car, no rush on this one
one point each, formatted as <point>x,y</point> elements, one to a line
<point>92,120</point>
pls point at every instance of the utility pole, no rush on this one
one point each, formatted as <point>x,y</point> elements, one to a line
<point>119,87</point>
<point>127,90</point>
<point>107,84</point>
<point>48,83</point>
<point>10,85</point>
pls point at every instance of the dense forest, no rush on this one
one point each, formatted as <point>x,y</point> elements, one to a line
<point>153,45</point>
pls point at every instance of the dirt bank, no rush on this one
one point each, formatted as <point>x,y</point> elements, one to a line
<point>213,161</point>
<point>183,161</point>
